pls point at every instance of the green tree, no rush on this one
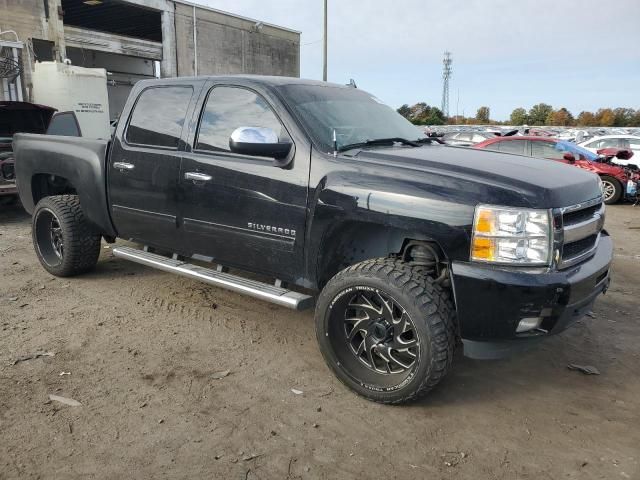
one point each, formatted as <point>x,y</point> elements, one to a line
<point>405,111</point>
<point>482,115</point>
<point>519,117</point>
<point>623,116</point>
<point>538,113</point>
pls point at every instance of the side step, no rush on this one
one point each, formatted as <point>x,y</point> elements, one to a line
<point>253,288</point>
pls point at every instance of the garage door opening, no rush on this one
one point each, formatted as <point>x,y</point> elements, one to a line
<point>113,16</point>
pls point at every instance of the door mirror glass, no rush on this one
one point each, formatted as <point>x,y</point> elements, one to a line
<point>569,157</point>
<point>259,142</point>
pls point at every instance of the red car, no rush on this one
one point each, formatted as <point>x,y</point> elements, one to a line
<point>614,177</point>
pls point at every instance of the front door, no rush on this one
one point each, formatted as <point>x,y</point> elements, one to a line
<point>241,210</point>
<point>144,167</point>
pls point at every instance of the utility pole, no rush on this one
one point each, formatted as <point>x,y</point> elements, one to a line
<point>447,70</point>
<point>324,47</point>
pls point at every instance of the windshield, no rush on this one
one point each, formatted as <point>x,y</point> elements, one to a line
<point>576,150</point>
<point>356,116</point>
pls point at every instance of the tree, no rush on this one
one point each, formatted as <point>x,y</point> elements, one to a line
<point>405,111</point>
<point>538,113</point>
<point>586,119</point>
<point>483,115</point>
<point>519,117</point>
<point>561,117</point>
<point>623,116</point>
<point>605,117</point>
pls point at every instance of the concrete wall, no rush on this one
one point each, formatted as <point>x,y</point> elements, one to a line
<point>27,18</point>
<point>230,45</point>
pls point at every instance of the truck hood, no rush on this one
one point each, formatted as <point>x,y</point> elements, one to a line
<point>525,181</point>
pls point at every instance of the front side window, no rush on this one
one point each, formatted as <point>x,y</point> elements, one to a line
<point>228,108</point>
<point>158,116</point>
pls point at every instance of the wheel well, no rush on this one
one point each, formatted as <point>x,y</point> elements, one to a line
<point>356,242</point>
<point>45,185</point>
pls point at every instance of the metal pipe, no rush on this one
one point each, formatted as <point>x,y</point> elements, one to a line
<point>324,48</point>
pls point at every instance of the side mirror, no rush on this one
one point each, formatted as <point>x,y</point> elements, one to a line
<point>624,154</point>
<point>261,142</point>
<point>569,157</point>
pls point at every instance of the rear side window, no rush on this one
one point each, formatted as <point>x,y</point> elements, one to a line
<point>229,108</point>
<point>64,123</point>
<point>158,116</point>
<point>512,146</point>
<point>542,149</point>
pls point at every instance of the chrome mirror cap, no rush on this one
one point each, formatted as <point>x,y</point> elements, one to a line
<point>259,135</point>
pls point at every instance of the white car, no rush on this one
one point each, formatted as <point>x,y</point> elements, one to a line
<point>628,142</point>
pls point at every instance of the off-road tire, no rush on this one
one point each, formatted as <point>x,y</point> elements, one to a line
<point>80,239</point>
<point>617,187</point>
<point>429,307</point>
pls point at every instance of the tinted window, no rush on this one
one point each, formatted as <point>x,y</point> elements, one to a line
<point>464,137</point>
<point>545,150</point>
<point>228,108</point>
<point>158,116</point>
<point>64,123</point>
<point>512,146</point>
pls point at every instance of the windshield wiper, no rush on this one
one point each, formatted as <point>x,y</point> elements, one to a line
<point>379,141</point>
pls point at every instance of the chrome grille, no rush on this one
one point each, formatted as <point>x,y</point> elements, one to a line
<point>581,227</point>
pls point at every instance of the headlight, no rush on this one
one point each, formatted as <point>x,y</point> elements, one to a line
<point>511,235</point>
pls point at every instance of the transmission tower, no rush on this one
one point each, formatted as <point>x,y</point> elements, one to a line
<point>447,72</point>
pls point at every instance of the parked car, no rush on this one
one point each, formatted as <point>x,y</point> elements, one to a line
<point>404,245</point>
<point>614,177</point>
<point>465,139</point>
<point>17,117</point>
<point>629,142</point>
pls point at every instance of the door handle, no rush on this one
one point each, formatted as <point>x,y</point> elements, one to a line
<point>123,166</point>
<point>197,176</point>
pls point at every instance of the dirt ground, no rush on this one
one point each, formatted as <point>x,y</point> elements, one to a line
<point>145,349</point>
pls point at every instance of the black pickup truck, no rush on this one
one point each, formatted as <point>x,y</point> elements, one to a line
<point>404,246</point>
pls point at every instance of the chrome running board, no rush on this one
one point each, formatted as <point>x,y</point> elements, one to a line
<point>218,278</point>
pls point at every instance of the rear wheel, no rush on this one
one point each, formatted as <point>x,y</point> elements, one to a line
<point>611,189</point>
<point>65,243</point>
<point>386,330</point>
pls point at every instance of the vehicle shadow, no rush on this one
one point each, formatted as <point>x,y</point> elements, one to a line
<point>13,213</point>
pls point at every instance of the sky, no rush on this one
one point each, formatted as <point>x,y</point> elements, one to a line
<point>578,54</point>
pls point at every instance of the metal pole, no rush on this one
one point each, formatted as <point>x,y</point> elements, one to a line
<point>324,52</point>
<point>195,43</point>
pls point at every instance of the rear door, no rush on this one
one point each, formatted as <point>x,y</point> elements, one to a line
<point>144,166</point>
<point>241,210</point>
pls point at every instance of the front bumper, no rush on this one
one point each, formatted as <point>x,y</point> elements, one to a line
<point>7,177</point>
<point>491,300</point>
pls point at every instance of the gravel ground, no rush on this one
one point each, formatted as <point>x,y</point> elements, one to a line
<point>146,354</point>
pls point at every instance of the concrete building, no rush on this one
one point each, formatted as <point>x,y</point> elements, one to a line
<point>136,39</point>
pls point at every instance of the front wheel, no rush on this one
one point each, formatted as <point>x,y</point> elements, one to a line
<point>65,242</point>
<point>611,189</point>
<point>386,330</point>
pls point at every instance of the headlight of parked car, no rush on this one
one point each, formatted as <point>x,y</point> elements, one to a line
<point>516,236</point>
